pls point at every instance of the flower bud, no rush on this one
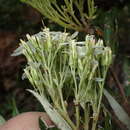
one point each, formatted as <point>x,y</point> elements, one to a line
<point>107,56</point>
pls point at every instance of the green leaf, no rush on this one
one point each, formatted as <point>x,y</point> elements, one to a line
<point>14,108</point>
<point>2,120</point>
<point>117,108</point>
<point>42,125</point>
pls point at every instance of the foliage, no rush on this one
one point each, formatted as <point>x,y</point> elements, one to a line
<point>119,111</point>
<point>14,108</point>
<point>69,14</point>
<point>10,107</point>
<point>74,15</point>
<point>107,121</point>
<point>111,30</point>
<point>2,120</point>
<point>58,64</point>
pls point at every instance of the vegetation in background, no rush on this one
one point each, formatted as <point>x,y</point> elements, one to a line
<point>65,14</point>
<point>111,24</point>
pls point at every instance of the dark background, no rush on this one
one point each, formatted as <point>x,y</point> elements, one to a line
<point>16,20</point>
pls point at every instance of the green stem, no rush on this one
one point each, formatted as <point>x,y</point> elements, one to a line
<point>94,125</point>
<point>62,101</point>
<point>86,118</point>
<point>101,90</point>
<point>67,118</point>
<point>77,116</point>
<point>99,103</point>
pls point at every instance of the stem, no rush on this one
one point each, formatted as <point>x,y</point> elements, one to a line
<point>67,118</point>
<point>77,116</point>
<point>76,101</point>
<point>62,101</point>
<point>100,99</point>
<point>86,118</point>
<point>94,124</point>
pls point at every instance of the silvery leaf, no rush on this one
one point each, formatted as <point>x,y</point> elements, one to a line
<point>95,62</point>
<point>82,43</point>
<point>18,51</point>
<point>98,51</point>
<point>99,79</point>
<point>117,108</point>
<point>34,64</point>
<point>24,76</point>
<point>52,112</point>
<point>74,35</point>
<point>98,47</point>
<point>81,50</point>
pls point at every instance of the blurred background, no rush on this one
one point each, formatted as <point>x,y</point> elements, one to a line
<point>17,19</point>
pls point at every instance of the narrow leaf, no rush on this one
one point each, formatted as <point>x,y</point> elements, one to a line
<point>2,120</point>
<point>117,108</point>
<point>53,114</point>
<point>14,108</point>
